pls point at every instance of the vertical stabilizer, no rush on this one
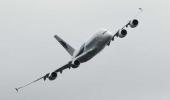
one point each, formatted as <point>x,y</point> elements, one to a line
<point>68,48</point>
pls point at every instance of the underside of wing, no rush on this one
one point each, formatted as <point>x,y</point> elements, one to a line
<point>50,76</point>
<point>122,32</point>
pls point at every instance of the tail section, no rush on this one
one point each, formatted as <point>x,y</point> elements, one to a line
<point>68,48</point>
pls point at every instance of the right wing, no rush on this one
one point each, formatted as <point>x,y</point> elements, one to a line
<point>50,76</point>
<point>132,23</point>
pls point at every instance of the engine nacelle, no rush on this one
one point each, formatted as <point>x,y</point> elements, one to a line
<point>76,64</point>
<point>122,33</point>
<point>52,76</point>
<point>134,23</point>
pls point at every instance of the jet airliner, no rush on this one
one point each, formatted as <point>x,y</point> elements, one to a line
<point>87,50</point>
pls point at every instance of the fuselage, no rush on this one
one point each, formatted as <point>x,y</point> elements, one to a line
<point>93,46</point>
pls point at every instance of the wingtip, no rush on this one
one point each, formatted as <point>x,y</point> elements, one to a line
<point>140,9</point>
<point>16,89</point>
<point>55,36</point>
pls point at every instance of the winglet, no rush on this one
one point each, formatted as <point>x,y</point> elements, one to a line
<point>17,89</point>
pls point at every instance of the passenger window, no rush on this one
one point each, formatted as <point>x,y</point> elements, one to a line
<point>104,32</point>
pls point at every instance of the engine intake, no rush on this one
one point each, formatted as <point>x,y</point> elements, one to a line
<point>53,76</point>
<point>122,33</point>
<point>76,64</point>
<point>134,23</point>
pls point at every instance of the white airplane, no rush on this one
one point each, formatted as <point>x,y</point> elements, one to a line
<point>88,49</point>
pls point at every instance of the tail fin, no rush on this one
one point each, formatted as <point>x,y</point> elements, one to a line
<point>69,48</point>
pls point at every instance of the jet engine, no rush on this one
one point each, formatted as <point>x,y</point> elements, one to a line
<point>133,23</point>
<point>53,76</point>
<point>122,33</point>
<point>76,64</point>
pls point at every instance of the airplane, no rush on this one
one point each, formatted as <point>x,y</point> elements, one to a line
<point>87,50</point>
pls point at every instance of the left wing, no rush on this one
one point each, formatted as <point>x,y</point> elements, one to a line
<point>50,76</point>
<point>53,75</point>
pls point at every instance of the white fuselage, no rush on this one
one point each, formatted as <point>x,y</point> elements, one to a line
<point>93,46</point>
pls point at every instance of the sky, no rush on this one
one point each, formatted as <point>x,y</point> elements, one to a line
<point>136,67</point>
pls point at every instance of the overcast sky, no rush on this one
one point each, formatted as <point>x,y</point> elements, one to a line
<point>136,67</point>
